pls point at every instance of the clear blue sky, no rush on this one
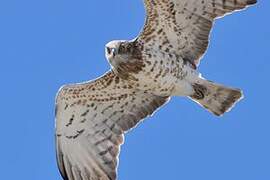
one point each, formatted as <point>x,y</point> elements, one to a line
<point>45,44</point>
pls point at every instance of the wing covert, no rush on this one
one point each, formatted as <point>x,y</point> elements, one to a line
<point>91,119</point>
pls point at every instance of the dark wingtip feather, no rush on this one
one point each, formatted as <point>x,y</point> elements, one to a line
<point>250,2</point>
<point>60,161</point>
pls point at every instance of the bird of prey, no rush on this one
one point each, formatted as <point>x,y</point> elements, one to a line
<point>92,117</point>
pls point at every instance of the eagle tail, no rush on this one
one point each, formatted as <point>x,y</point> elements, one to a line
<point>216,98</point>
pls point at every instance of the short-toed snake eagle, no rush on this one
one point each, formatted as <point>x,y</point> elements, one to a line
<point>92,117</point>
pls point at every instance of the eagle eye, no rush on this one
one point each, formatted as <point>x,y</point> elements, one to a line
<point>108,50</point>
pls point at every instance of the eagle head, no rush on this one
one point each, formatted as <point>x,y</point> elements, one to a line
<point>124,57</point>
<point>113,50</point>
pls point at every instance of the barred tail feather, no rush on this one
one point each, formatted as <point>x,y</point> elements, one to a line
<point>216,98</point>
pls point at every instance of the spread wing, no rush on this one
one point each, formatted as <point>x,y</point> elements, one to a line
<point>182,27</point>
<point>91,119</point>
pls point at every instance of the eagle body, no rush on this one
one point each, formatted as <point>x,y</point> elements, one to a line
<point>163,73</point>
<point>92,117</point>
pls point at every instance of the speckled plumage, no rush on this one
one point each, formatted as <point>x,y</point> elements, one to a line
<point>92,117</point>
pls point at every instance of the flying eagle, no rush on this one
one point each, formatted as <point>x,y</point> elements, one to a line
<point>92,117</point>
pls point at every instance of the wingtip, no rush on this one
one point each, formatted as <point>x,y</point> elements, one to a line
<point>251,2</point>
